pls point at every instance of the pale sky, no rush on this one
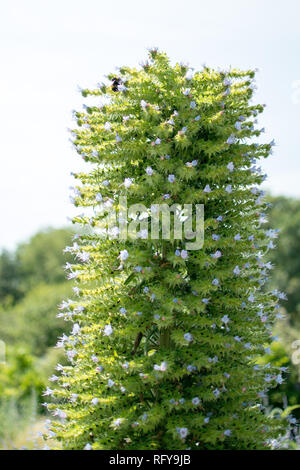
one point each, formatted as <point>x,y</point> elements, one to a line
<point>49,47</point>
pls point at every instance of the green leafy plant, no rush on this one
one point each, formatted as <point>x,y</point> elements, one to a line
<point>165,340</point>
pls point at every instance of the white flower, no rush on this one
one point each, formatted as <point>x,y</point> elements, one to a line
<point>143,104</point>
<point>61,414</point>
<point>184,254</point>
<point>183,432</point>
<point>117,422</point>
<point>84,256</point>
<point>76,329</point>
<point>230,166</point>
<point>189,75</point>
<point>107,126</point>
<point>107,330</point>
<point>87,447</point>
<point>187,91</point>
<point>95,401</point>
<point>114,232</point>
<point>127,182</point>
<point>99,197</point>
<point>48,392</point>
<point>110,383</point>
<point>149,170</point>
<point>123,255</point>
<point>157,141</point>
<point>122,88</point>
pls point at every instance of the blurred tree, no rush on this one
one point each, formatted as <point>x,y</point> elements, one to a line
<point>285,215</point>
<point>9,278</point>
<point>41,260</point>
<point>33,322</point>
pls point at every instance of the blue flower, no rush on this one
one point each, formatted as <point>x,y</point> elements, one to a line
<point>236,271</point>
<point>230,166</point>
<point>188,337</point>
<point>225,319</point>
<point>193,105</point>
<point>226,82</point>
<point>215,282</point>
<point>171,178</point>
<point>195,401</point>
<point>231,139</point>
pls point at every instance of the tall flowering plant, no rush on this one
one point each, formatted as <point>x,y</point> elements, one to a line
<point>164,343</point>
